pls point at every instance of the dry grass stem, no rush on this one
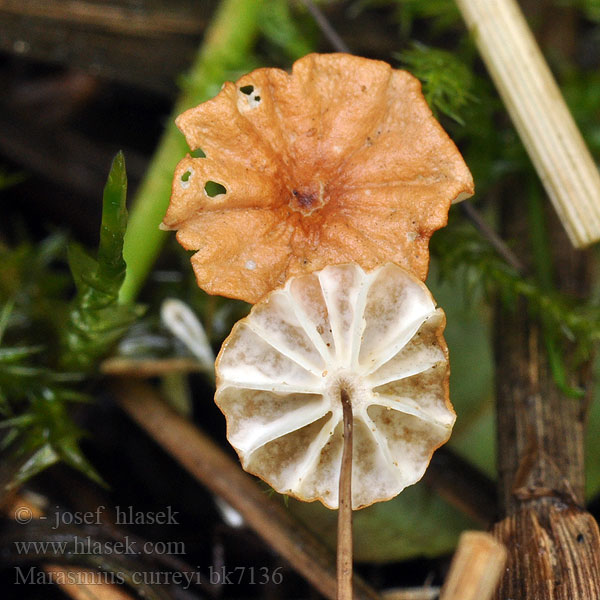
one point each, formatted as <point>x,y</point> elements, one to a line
<point>539,113</point>
<point>475,569</point>
<point>418,593</point>
<point>129,367</point>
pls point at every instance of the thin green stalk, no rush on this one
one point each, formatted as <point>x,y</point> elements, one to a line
<point>226,46</point>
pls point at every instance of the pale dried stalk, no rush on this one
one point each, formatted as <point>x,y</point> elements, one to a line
<point>475,569</point>
<point>145,368</point>
<point>539,113</point>
<point>420,593</point>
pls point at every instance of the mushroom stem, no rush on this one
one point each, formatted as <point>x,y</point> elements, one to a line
<point>344,541</point>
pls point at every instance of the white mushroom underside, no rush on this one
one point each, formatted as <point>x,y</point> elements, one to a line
<point>281,370</point>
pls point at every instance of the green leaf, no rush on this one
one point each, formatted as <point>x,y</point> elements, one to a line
<point>8,439</point>
<point>97,320</point>
<point>43,458</point>
<point>111,266</point>
<point>20,421</point>
<point>82,266</point>
<point>35,397</point>
<point>69,451</point>
<point>5,313</point>
<point>18,353</point>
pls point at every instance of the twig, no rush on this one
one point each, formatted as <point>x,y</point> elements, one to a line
<point>495,240</point>
<point>211,466</point>
<point>475,569</point>
<point>344,542</point>
<point>325,26</point>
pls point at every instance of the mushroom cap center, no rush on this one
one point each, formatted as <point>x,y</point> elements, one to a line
<point>306,199</point>
<point>355,385</point>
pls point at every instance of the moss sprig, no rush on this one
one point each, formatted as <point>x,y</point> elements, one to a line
<point>462,253</point>
<point>96,317</point>
<point>59,343</point>
<point>447,81</point>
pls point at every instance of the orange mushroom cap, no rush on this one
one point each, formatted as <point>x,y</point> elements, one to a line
<point>341,161</point>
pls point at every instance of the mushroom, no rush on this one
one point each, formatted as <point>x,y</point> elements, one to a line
<point>372,338</point>
<point>341,161</point>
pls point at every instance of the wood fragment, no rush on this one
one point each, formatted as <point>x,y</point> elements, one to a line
<point>417,593</point>
<point>140,19</point>
<point>539,113</point>
<point>223,476</point>
<point>553,553</point>
<point>123,366</point>
<point>475,569</point>
<point>553,543</point>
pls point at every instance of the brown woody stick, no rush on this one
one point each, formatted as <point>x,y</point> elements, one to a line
<point>553,543</point>
<point>212,467</point>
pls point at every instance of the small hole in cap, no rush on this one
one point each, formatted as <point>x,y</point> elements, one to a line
<point>247,89</point>
<point>212,189</point>
<point>184,180</point>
